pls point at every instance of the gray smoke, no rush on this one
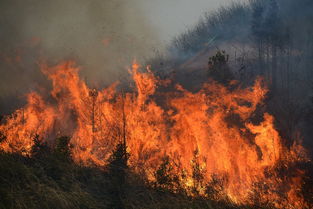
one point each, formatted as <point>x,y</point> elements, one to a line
<point>102,36</point>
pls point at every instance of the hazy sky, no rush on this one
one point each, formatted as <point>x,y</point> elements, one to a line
<point>171,17</point>
<point>102,36</point>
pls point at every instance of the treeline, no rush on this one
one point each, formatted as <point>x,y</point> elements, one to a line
<point>279,33</point>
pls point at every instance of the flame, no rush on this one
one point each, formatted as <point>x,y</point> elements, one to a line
<point>209,136</point>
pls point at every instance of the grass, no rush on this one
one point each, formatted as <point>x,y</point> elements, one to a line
<point>50,182</point>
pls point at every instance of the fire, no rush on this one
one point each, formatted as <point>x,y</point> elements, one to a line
<point>212,138</point>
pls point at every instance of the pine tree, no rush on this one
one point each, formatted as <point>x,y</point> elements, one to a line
<point>62,149</point>
<point>117,170</point>
<point>163,174</point>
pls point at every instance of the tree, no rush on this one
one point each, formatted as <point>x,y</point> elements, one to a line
<point>2,137</point>
<point>118,162</point>
<point>39,149</point>
<point>273,34</point>
<point>163,176</point>
<point>117,170</point>
<point>219,69</point>
<point>62,149</point>
<point>117,167</point>
<point>197,174</point>
<point>258,31</point>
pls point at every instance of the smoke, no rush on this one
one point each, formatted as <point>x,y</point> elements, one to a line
<point>103,37</point>
<point>172,17</point>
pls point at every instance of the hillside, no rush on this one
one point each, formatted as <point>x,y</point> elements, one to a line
<point>267,38</point>
<point>222,120</point>
<point>51,181</point>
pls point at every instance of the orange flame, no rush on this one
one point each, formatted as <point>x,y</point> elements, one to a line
<point>211,129</point>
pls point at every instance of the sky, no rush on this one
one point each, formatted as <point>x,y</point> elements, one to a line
<point>171,17</point>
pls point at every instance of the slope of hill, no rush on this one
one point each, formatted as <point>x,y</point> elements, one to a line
<point>51,181</point>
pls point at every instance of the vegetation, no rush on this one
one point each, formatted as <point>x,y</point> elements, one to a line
<point>280,50</point>
<point>219,69</point>
<point>268,38</point>
<point>48,180</point>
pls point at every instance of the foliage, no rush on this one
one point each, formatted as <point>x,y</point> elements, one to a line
<point>223,24</point>
<point>219,69</point>
<point>40,148</point>
<point>197,174</point>
<point>165,178</point>
<point>26,183</point>
<point>62,149</point>
<point>117,170</point>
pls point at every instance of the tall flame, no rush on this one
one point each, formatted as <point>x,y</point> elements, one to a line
<point>211,129</point>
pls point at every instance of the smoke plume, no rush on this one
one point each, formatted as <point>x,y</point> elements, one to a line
<point>102,36</point>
